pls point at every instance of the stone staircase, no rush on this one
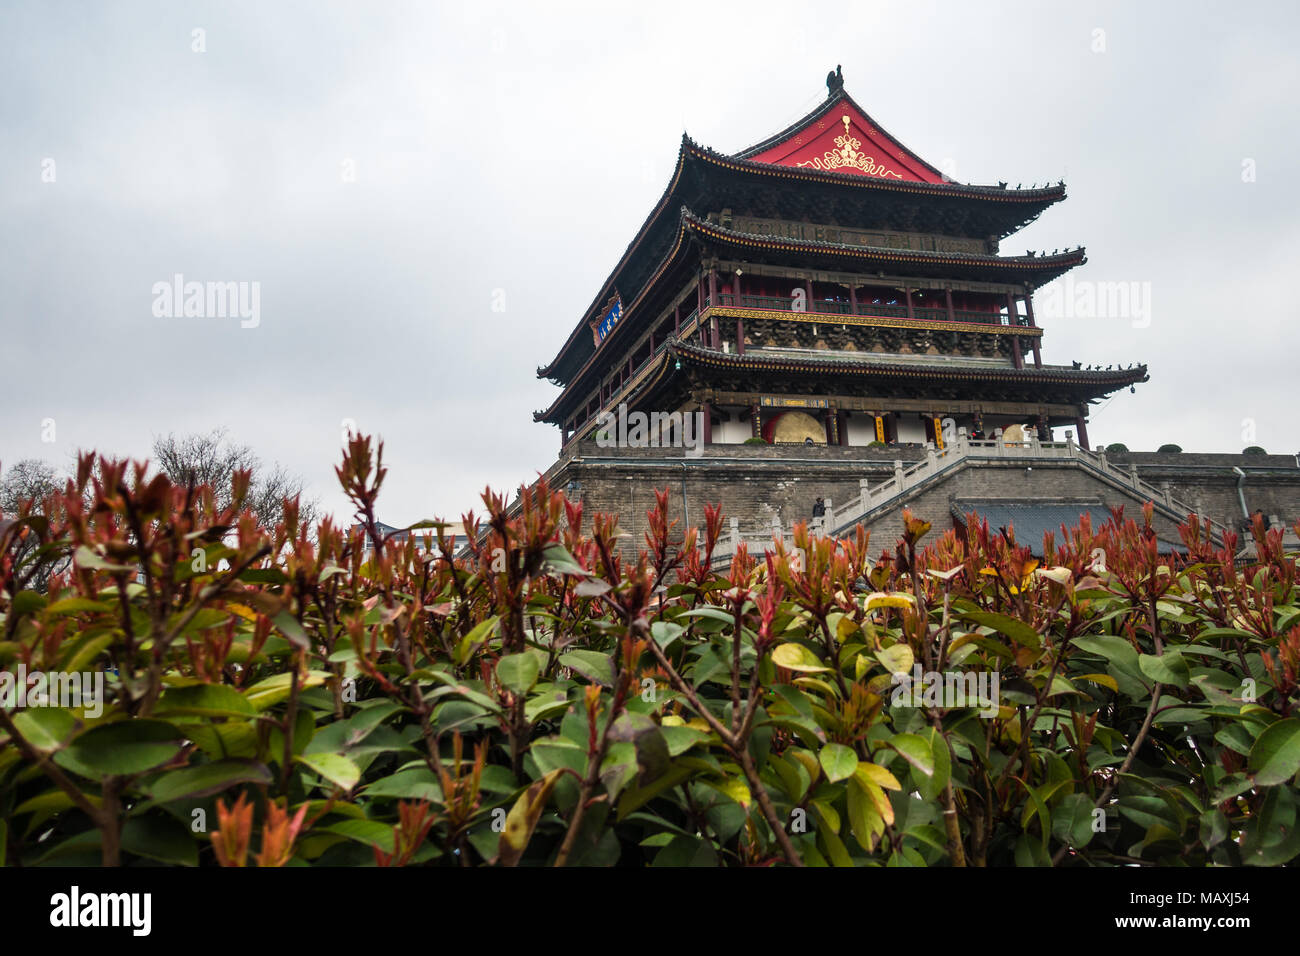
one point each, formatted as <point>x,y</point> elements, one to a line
<point>939,463</point>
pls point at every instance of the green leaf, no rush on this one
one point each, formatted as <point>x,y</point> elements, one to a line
<point>335,768</point>
<point>930,787</point>
<point>665,632</point>
<point>269,692</point>
<point>207,779</point>
<point>864,820</point>
<point>915,750</point>
<point>590,664</point>
<point>1072,821</point>
<point>897,659</point>
<point>126,747</point>
<point>369,832</point>
<point>481,633</point>
<point>1275,757</point>
<point>85,558</point>
<point>838,761</point>
<point>162,838</point>
<point>796,657</point>
<point>205,700</point>
<point>46,728</point>
<point>523,817</point>
<point>288,625</point>
<point>562,562</point>
<point>78,605</point>
<point>82,656</point>
<point>1017,630</point>
<point>1167,668</point>
<point>413,783</point>
<point>518,672</point>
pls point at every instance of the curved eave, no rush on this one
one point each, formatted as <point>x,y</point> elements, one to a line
<point>649,379</point>
<point>1045,195</point>
<point>1101,380</point>
<point>1038,269</point>
<point>607,290</point>
<point>1033,201</point>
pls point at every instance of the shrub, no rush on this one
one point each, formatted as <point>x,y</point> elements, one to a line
<point>1253,450</point>
<point>877,444</point>
<point>1118,446</point>
<point>395,705</point>
<point>755,440</point>
<point>1169,449</point>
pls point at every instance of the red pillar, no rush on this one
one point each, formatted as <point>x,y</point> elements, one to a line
<point>1037,339</point>
<point>951,315</point>
<point>908,293</point>
<point>708,422</point>
<point>1017,359</point>
<point>713,287</point>
<point>1081,424</point>
<point>853,298</point>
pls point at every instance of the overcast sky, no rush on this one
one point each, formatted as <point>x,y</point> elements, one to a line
<point>388,172</point>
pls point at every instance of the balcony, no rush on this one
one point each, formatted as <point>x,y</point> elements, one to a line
<point>776,303</point>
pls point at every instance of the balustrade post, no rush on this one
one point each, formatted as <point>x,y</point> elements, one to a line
<point>864,493</point>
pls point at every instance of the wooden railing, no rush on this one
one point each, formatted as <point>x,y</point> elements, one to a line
<point>779,303</point>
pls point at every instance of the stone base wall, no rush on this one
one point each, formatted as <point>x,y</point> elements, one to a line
<point>757,484</point>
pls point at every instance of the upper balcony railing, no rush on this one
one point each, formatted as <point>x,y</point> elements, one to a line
<point>779,303</point>
<point>691,323</point>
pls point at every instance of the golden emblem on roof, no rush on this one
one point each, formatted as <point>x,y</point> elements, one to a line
<point>846,155</point>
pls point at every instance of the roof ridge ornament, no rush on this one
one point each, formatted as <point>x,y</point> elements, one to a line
<point>835,81</point>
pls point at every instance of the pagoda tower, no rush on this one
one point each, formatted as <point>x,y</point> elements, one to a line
<point>827,286</point>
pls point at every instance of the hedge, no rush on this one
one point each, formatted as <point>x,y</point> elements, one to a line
<point>289,696</point>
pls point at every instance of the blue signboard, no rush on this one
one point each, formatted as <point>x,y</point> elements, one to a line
<point>610,318</point>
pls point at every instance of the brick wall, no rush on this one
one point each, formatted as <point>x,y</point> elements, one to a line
<point>756,483</point>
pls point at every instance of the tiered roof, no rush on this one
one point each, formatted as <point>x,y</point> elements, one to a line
<point>789,175</point>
